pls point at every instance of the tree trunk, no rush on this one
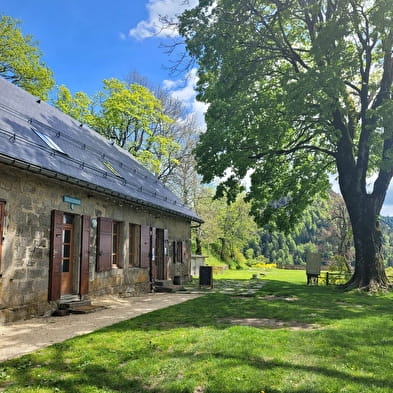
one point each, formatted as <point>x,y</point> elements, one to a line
<point>198,250</point>
<point>369,271</point>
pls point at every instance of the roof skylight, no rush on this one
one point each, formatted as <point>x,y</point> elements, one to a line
<point>48,141</point>
<point>109,166</point>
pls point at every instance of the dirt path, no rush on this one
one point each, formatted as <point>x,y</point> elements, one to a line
<point>27,336</point>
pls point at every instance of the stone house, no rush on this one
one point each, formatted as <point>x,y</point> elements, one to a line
<point>79,216</point>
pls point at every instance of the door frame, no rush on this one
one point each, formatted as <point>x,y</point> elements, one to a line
<point>67,278</point>
<point>80,252</point>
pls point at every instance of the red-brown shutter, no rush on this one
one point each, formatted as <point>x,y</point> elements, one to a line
<point>56,241</point>
<point>184,252</point>
<point>145,246</point>
<point>104,244</point>
<point>179,251</point>
<point>166,253</point>
<point>2,213</point>
<point>85,241</point>
<point>153,250</point>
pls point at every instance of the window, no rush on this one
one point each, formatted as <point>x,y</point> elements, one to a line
<point>2,214</point>
<point>115,243</point>
<point>67,243</point>
<point>111,168</point>
<point>48,141</point>
<point>135,245</point>
<point>108,244</point>
<point>179,252</point>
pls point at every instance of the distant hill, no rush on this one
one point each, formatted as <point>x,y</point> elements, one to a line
<point>319,231</point>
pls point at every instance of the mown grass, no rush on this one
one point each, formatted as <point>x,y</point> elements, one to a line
<point>341,342</point>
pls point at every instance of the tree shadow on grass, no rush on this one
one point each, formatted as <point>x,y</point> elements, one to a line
<point>279,300</point>
<point>117,374</point>
<point>214,350</point>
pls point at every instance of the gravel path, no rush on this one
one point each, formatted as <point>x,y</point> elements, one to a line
<point>23,337</point>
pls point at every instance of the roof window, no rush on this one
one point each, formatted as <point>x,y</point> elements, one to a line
<point>48,141</point>
<point>109,166</point>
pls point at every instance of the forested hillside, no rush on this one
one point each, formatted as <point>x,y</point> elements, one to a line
<point>324,229</point>
<point>321,230</point>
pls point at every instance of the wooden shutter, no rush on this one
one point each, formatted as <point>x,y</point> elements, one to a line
<point>184,251</point>
<point>104,244</point>
<point>135,245</point>
<point>84,264</point>
<point>166,253</point>
<point>2,214</point>
<point>153,249</point>
<point>145,246</point>
<point>56,241</point>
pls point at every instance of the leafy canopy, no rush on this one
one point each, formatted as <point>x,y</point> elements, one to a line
<point>297,89</point>
<point>20,60</point>
<point>130,115</point>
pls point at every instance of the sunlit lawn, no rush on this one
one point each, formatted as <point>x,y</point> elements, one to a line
<point>319,340</point>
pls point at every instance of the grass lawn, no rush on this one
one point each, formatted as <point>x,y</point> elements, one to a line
<point>286,337</point>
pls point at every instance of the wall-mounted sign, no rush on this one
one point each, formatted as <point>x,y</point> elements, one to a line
<point>71,200</point>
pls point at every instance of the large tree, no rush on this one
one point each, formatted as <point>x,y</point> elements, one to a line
<point>20,59</point>
<point>131,116</point>
<point>178,170</point>
<point>298,89</point>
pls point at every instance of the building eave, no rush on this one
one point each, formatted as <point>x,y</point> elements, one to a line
<point>36,169</point>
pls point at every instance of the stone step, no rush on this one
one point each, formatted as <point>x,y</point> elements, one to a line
<point>166,286</point>
<point>162,283</point>
<point>86,309</point>
<point>164,289</point>
<point>69,298</point>
<point>73,304</point>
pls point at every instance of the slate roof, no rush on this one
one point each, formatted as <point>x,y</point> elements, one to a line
<point>36,136</point>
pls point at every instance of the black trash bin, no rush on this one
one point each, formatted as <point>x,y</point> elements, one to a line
<point>206,276</point>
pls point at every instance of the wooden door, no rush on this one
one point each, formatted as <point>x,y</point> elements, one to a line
<point>2,205</point>
<point>67,255</point>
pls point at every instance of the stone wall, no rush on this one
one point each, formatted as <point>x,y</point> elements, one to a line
<point>24,269</point>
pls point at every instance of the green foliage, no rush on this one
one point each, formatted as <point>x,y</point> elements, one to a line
<point>312,234</point>
<point>387,231</point>
<point>128,114</point>
<point>20,60</point>
<point>338,264</point>
<point>227,228</point>
<point>212,259</point>
<point>297,90</point>
<point>78,106</point>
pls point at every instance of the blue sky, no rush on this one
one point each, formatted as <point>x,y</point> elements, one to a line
<point>86,41</point>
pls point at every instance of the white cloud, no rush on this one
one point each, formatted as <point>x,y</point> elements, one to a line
<point>184,91</point>
<point>170,84</point>
<point>153,26</point>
